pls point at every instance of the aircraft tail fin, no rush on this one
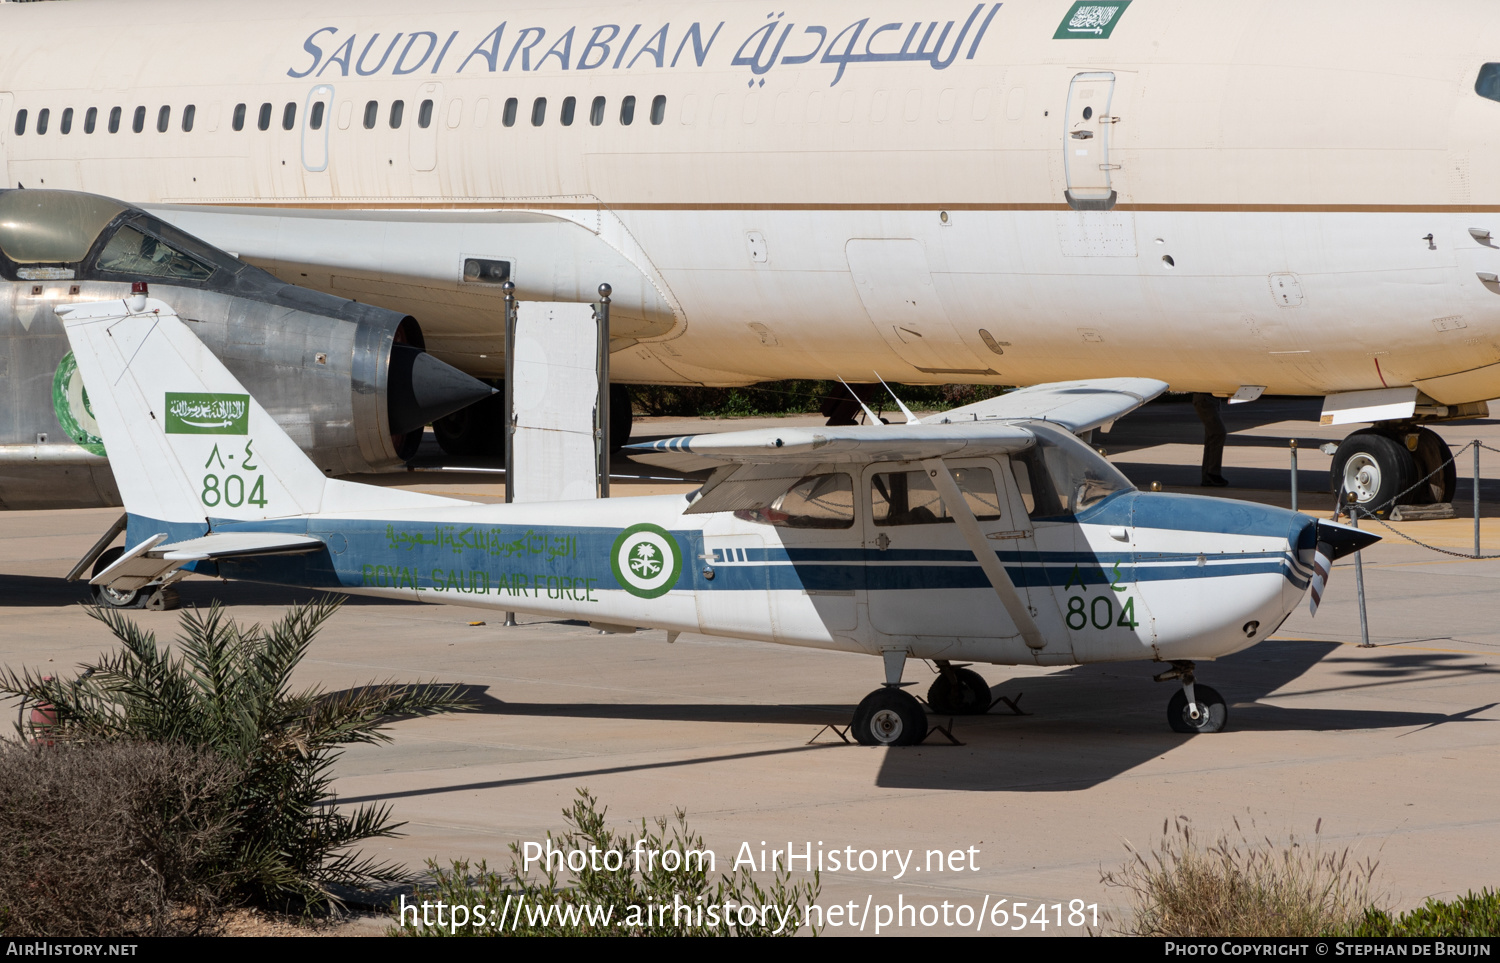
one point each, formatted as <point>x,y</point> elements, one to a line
<point>186,441</point>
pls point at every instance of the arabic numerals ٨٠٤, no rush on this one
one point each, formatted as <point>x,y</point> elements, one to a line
<point>231,486</point>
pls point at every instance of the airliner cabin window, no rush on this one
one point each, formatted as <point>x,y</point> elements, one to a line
<point>289,116</point>
<point>596,112</point>
<point>263,121</point>
<point>817,501</point>
<point>163,120</point>
<point>508,118</point>
<point>189,114</point>
<point>627,110</point>
<point>239,116</point>
<point>114,120</point>
<point>570,104</point>
<point>1488,83</point>
<point>131,252</point>
<point>538,111</point>
<point>90,119</point>
<point>42,116</point>
<point>21,121</point>
<point>138,122</point>
<point>910,498</point>
<point>658,109</point>
<point>372,114</point>
<point>424,115</point>
<point>315,117</point>
<point>65,123</point>
<point>398,107</point>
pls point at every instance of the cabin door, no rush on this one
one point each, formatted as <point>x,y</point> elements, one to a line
<point>317,117</point>
<point>1086,141</point>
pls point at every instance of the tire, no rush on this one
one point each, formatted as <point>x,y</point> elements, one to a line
<point>1434,456</point>
<point>966,695</point>
<point>889,717</point>
<point>1213,713</point>
<point>109,597</point>
<point>1375,467</point>
<point>621,417</point>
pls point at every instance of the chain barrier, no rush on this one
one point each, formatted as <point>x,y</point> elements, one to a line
<point>1369,513</point>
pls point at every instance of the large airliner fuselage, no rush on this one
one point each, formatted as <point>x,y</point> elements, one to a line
<point>1286,195</point>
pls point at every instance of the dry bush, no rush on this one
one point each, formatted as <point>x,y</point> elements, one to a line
<point>1248,887</point>
<point>122,838</point>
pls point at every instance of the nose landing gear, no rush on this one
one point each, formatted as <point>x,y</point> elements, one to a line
<point>1194,708</point>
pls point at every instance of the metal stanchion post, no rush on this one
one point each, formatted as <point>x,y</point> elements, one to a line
<point>1293,444</point>
<point>1359,577</point>
<point>602,431</point>
<point>509,414</point>
<point>1476,497</point>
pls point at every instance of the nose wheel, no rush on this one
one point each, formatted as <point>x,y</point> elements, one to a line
<point>1194,708</point>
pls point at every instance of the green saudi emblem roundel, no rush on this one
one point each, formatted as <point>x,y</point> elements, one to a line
<point>70,402</point>
<point>646,561</point>
<point>1091,20</point>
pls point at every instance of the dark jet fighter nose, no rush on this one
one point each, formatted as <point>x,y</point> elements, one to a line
<point>1343,540</point>
<point>422,389</point>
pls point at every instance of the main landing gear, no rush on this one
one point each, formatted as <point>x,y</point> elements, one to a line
<point>1378,464</point>
<point>958,691</point>
<point>1194,708</point>
<point>890,716</point>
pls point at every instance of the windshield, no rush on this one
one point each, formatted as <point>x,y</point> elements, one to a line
<point>1061,475</point>
<point>134,253</point>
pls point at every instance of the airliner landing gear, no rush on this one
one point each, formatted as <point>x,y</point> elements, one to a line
<point>889,716</point>
<point>1194,708</point>
<point>958,691</point>
<point>1379,464</point>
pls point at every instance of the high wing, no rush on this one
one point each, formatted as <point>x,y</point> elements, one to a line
<point>752,468</point>
<point>1075,405</point>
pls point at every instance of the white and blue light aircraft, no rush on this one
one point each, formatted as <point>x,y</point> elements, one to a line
<point>986,534</point>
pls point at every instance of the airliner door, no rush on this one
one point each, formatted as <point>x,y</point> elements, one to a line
<point>317,117</point>
<point>7,101</point>
<point>424,134</point>
<point>1086,142</point>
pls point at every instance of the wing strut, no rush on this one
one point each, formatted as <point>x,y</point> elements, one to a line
<point>1015,606</point>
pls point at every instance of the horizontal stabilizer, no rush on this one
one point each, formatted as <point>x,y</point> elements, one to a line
<point>237,545</point>
<point>151,561</point>
<point>1076,405</point>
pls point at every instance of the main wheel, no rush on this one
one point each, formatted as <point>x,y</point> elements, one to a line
<point>1376,468</point>
<point>965,694</point>
<point>115,599</point>
<point>1434,458</point>
<point>1212,711</point>
<point>889,717</point>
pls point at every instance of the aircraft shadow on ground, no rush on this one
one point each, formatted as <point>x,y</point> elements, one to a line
<point>37,591</point>
<point>1089,724</point>
<point>1096,722</point>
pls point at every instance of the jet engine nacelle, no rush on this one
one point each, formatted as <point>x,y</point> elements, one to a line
<point>349,382</point>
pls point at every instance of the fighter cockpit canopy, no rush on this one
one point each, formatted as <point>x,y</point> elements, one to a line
<point>64,235</point>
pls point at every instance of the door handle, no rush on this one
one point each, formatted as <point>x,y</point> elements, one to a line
<point>1082,134</point>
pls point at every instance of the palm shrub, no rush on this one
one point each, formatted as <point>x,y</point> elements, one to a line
<point>228,690</point>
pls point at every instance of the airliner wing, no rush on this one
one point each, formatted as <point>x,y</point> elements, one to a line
<point>1075,405</point>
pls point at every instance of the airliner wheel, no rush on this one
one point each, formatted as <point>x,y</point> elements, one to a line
<point>103,595</point>
<point>964,694</point>
<point>1434,457</point>
<point>889,717</point>
<point>1212,711</point>
<point>1376,468</point>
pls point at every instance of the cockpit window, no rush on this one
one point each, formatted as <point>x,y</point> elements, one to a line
<point>817,501</point>
<point>1060,475</point>
<point>909,497</point>
<point>131,252</point>
<point>47,227</point>
<point>1488,83</point>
